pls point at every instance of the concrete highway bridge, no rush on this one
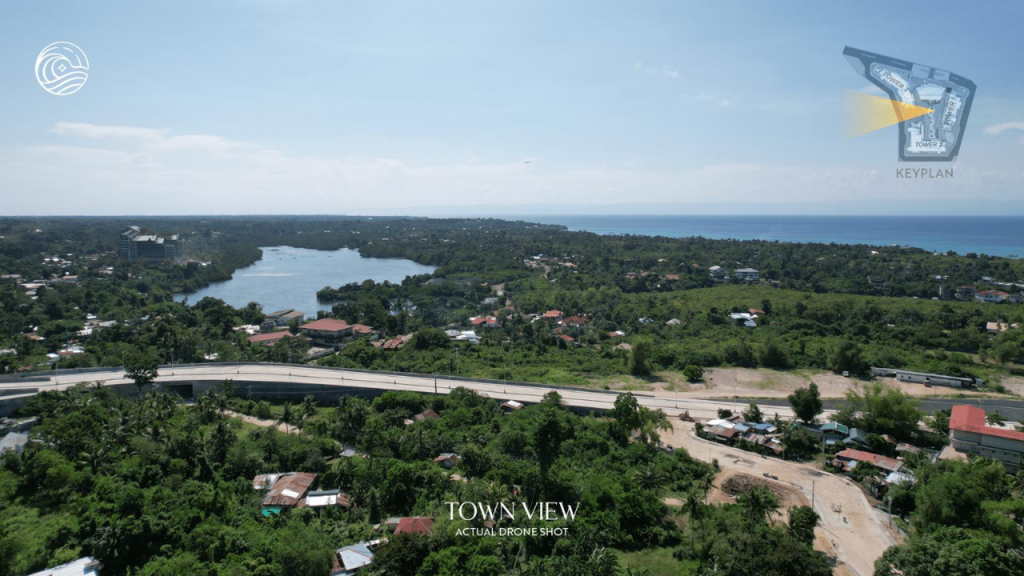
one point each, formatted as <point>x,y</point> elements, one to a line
<point>293,382</point>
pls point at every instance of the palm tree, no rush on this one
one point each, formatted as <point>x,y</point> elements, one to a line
<point>287,417</point>
<point>93,456</point>
<point>706,483</point>
<point>308,407</point>
<point>760,504</point>
<point>649,477</point>
<point>694,506</point>
<point>220,442</point>
<point>207,406</point>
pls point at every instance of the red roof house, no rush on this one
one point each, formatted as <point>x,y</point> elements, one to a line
<point>270,338</point>
<point>326,325</point>
<point>850,457</point>
<point>415,525</point>
<point>972,419</point>
<point>969,432</point>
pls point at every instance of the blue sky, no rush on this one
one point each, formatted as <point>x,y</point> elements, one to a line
<point>389,107</point>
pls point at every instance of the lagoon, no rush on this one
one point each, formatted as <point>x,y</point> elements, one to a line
<point>289,277</point>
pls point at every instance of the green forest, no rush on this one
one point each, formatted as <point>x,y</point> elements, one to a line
<point>819,311</point>
<point>150,486</point>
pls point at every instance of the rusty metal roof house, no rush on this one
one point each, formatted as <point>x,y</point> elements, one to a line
<point>850,457</point>
<point>426,415</point>
<point>264,481</point>
<point>289,489</point>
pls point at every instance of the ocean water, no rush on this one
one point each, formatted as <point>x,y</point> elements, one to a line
<point>289,277</point>
<point>993,235</point>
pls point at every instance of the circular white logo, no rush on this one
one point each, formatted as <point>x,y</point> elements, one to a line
<point>62,68</point>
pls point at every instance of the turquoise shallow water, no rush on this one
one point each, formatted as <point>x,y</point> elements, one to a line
<point>289,277</point>
<point>997,236</point>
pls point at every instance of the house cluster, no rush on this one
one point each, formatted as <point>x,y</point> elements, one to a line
<point>94,324</point>
<point>292,490</point>
<point>352,559</point>
<point>69,348</point>
<point>563,328</point>
<point>1000,326</point>
<point>325,333</point>
<point>545,262</point>
<point>969,293</point>
<point>734,429</point>
<point>31,287</point>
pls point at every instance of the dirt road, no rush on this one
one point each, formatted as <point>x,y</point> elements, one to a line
<point>764,383</point>
<point>264,423</point>
<point>853,528</point>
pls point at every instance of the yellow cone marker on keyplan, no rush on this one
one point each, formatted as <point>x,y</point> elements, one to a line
<point>866,113</point>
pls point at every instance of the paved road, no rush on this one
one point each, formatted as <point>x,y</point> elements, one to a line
<point>671,403</point>
<point>857,533</point>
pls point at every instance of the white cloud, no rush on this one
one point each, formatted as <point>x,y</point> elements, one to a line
<point>997,129</point>
<point>147,136</point>
<point>131,170</point>
<point>664,70</point>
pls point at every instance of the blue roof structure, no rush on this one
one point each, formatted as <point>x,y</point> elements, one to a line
<point>857,436</point>
<point>834,427</point>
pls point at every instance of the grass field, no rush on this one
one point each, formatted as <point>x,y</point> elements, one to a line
<point>655,562</point>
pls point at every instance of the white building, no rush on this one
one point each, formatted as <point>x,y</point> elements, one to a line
<point>747,274</point>
<point>969,432</point>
